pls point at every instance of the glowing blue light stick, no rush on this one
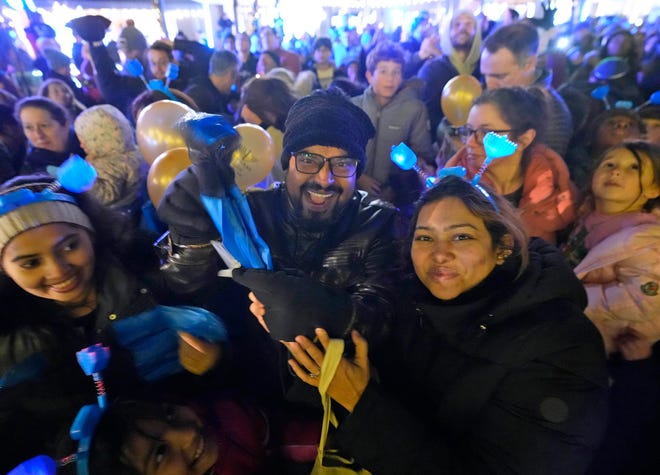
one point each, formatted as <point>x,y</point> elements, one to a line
<point>496,146</point>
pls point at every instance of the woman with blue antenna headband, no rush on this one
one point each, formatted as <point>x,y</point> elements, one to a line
<point>491,366</point>
<point>533,178</point>
<point>74,274</point>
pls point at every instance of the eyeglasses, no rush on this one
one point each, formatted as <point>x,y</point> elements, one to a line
<point>311,163</point>
<point>466,132</point>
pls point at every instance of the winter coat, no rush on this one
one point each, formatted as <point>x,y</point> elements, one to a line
<point>548,201</point>
<point>37,408</point>
<point>41,405</point>
<point>210,100</point>
<point>632,432</point>
<point>358,253</point>
<point>629,296</point>
<point>509,377</point>
<point>110,142</point>
<point>403,119</point>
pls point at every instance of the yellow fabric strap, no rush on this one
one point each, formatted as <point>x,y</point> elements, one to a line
<point>331,360</point>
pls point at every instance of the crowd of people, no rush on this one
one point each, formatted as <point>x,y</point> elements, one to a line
<point>499,315</point>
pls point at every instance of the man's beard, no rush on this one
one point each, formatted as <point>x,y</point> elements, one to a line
<point>464,46</point>
<point>317,222</point>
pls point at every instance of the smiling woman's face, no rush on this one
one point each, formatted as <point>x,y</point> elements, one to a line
<point>452,250</point>
<point>53,261</point>
<point>176,446</point>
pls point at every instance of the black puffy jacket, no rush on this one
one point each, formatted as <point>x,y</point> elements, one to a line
<point>508,378</point>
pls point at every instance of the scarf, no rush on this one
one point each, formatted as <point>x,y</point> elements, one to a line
<point>470,63</point>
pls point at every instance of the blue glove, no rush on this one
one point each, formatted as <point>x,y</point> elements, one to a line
<point>31,367</point>
<point>152,337</point>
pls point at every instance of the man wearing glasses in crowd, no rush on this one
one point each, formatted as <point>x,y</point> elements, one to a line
<point>337,247</point>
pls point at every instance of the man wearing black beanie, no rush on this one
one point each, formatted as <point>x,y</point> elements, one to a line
<point>334,250</point>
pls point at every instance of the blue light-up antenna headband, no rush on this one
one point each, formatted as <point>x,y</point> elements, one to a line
<point>93,360</point>
<point>495,145</point>
<point>35,204</point>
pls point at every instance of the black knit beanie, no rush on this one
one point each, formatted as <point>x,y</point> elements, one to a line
<point>330,119</point>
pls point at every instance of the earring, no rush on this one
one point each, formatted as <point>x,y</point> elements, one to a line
<point>503,256</point>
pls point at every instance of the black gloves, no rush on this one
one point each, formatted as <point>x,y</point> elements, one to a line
<point>297,305</point>
<point>90,27</point>
<point>211,142</point>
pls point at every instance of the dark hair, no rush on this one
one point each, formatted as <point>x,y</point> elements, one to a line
<point>12,136</point>
<point>347,86</point>
<point>57,112</point>
<point>520,38</point>
<point>323,41</point>
<point>150,96</point>
<point>599,120</point>
<point>160,45</point>
<point>222,62</point>
<point>117,424</point>
<point>43,89</point>
<point>270,99</point>
<point>499,222</point>
<point>385,51</point>
<point>631,55</point>
<point>519,108</point>
<point>273,56</point>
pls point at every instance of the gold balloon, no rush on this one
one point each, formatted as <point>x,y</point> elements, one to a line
<point>155,130</point>
<point>163,171</point>
<point>254,159</point>
<point>457,97</point>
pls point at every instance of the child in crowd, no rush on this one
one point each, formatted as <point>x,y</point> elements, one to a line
<point>322,65</point>
<point>398,116</point>
<point>218,434</point>
<point>616,247</point>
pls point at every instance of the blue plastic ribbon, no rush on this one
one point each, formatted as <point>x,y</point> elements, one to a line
<point>233,219</point>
